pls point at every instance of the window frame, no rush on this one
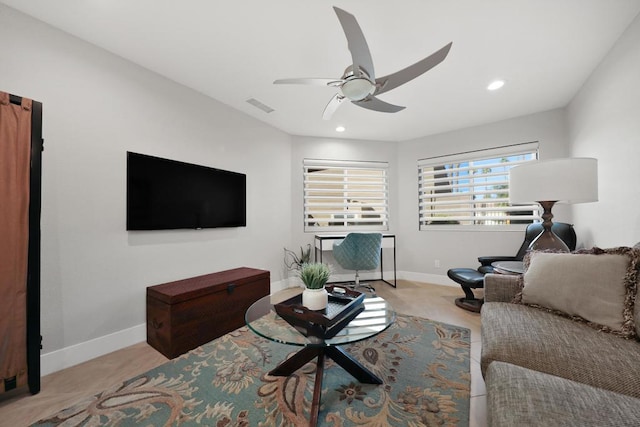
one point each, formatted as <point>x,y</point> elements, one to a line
<point>473,161</point>
<point>354,177</point>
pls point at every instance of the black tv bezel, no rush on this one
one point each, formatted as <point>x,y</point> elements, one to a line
<point>242,220</point>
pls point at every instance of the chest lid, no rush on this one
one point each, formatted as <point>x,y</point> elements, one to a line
<point>195,287</point>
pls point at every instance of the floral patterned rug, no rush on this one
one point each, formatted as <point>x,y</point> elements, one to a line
<point>424,365</point>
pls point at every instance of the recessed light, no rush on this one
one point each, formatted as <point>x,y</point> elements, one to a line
<point>340,129</point>
<point>496,84</point>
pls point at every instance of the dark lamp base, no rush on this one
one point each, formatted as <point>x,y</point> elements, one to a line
<point>548,240</point>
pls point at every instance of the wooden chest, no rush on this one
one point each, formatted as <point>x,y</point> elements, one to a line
<point>185,314</point>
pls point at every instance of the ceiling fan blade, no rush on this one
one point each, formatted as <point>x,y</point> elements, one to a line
<point>373,103</point>
<point>332,106</point>
<point>398,78</point>
<point>309,81</point>
<point>356,42</point>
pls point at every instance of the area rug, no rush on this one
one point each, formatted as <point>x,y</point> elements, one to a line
<point>424,365</point>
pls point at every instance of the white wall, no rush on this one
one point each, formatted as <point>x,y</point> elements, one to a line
<point>420,249</point>
<point>97,106</point>
<point>604,122</point>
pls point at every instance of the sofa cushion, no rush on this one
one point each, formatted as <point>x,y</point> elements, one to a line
<point>521,397</point>
<point>545,342</point>
<point>596,286</point>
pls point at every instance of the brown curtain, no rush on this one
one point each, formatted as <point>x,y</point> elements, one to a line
<point>15,157</point>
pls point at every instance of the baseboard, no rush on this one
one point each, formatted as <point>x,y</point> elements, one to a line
<point>436,279</point>
<point>82,352</point>
<point>79,353</point>
<point>283,284</point>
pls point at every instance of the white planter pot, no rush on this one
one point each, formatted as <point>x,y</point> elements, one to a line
<point>315,299</point>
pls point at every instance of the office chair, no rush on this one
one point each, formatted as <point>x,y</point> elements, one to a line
<point>359,251</point>
<point>469,278</point>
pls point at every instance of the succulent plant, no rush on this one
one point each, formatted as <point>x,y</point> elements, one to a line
<point>314,275</point>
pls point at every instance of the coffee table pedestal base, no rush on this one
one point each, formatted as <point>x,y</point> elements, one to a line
<point>342,358</point>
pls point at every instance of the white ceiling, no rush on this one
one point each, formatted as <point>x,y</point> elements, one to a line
<point>234,50</point>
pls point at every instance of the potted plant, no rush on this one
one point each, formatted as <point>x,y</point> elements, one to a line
<point>293,261</point>
<point>314,276</point>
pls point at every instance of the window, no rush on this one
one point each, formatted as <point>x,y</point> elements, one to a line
<point>473,188</point>
<point>345,195</point>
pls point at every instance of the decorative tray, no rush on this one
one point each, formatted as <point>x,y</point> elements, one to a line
<point>343,307</point>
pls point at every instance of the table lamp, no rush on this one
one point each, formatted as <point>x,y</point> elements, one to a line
<point>569,180</point>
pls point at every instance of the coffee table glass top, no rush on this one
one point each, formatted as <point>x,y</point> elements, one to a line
<point>262,319</point>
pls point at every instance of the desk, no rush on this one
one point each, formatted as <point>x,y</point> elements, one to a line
<point>388,241</point>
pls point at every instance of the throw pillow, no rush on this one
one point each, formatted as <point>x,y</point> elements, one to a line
<point>594,286</point>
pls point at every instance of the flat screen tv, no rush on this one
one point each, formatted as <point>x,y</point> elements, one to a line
<point>166,194</point>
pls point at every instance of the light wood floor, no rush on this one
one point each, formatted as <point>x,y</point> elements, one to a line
<point>61,389</point>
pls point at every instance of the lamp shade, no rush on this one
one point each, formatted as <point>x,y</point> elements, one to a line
<point>569,180</point>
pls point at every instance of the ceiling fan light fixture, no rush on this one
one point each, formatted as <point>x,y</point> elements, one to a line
<point>340,129</point>
<point>495,85</point>
<point>358,83</point>
<point>357,89</point>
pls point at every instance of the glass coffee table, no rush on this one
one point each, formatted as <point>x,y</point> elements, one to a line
<point>377,316</point>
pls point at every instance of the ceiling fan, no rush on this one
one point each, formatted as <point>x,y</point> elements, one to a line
<point>358,84</point>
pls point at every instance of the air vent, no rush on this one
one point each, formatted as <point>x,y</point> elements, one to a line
<point>260,105</point>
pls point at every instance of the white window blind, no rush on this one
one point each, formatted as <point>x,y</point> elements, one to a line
<point>342,195</point>
<point>473,188</point>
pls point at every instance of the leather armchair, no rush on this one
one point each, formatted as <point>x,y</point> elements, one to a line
<point>562,230</point>
<point>469,278</point>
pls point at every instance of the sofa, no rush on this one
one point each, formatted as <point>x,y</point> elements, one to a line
<point>560,343</point>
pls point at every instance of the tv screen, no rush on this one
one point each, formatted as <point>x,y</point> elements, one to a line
<point>166,194</point>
